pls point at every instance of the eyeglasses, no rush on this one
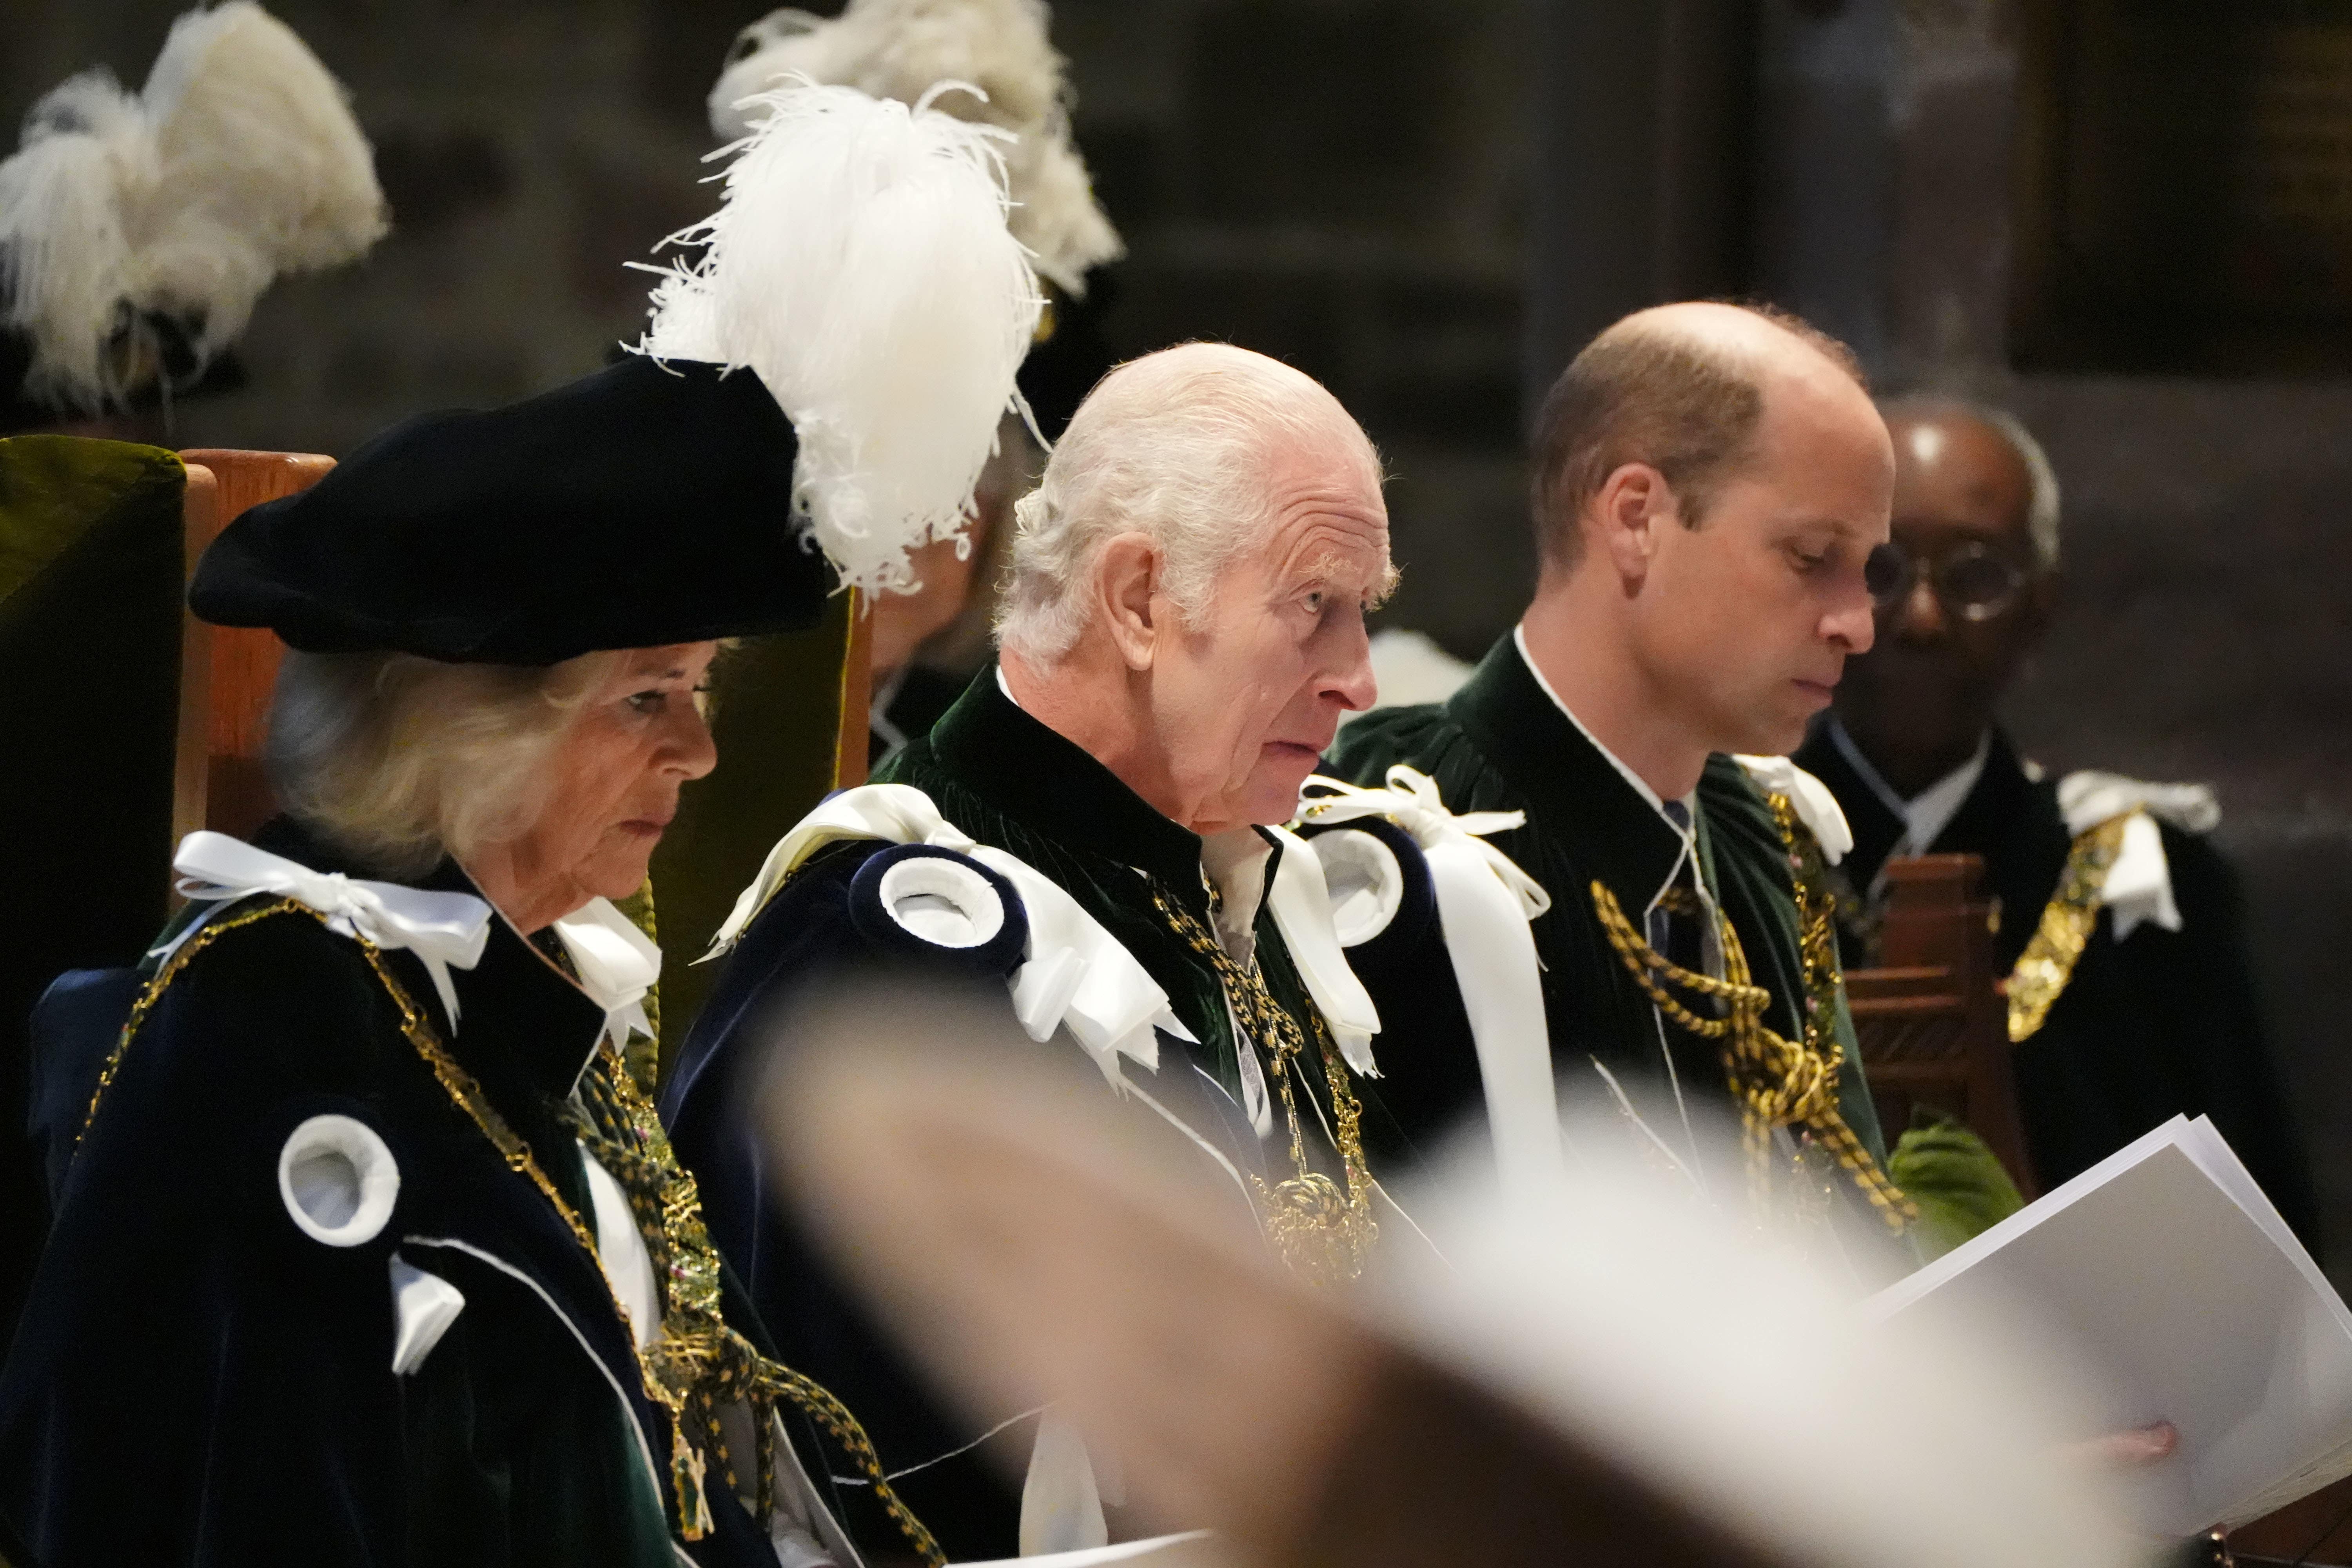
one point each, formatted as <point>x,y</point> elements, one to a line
<point>1974,581</point>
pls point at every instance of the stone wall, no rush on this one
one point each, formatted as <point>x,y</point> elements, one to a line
<point>1341,184</point>
<point>1337,182</point>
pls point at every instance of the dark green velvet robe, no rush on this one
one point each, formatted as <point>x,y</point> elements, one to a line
<point>1501,743</point>
<point>1008,780</point>
<point>2162,1023</point>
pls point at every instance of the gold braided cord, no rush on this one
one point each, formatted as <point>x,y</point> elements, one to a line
<point>697,1352</point>
<point>153,992</point>
<point>1323,1235</point>
<point>1817,952</point>
<point>2047,964</point>
<point>1776,1081</point>
<point>697,1364</point>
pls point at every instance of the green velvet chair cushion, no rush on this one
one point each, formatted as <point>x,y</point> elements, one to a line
<point>91,582</point>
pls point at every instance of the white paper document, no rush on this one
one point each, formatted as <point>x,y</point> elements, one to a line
<point>1194,1549</point>
<point>2167,1281</point>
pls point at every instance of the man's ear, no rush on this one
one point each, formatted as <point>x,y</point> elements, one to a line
<point>1126,579</point>
<point>1633,505</point>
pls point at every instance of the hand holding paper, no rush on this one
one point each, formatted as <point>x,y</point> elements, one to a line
<point>2167,1284</point>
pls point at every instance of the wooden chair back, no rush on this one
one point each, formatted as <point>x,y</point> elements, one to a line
<point>1930,1020</point>
<point>227,672</point>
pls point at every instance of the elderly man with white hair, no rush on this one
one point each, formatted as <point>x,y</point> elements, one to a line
<point>1089,833</point>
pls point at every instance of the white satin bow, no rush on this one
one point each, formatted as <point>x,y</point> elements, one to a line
<point>443,929</point>
<point>617,965</point>
<point>2139,884</point>
<point>1810,798</point>
<point>1484,903</point>
<point>1075,973</point>
<point>1411,801</point>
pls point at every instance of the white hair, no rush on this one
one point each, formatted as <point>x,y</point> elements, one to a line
<point>2041,479</point>
<point>399,760</point>
<point>1175,446</point>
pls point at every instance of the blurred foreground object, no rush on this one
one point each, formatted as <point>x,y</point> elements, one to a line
<point>1604,1371</point>
<point>137,230</point>
<point>2172,1283</point>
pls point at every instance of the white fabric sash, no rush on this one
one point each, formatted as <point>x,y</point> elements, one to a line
<point>1484,903</point>
<point>616,962</point>
<point>1301,902</point>
<point>443,929</point>
<point>2139,884</point>
<point>1810,798</point>
<point>1074,975</point>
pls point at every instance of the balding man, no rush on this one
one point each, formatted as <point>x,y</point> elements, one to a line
<point>1087,833</point>
<point>2155,1013</point>
<point>1709,481</point>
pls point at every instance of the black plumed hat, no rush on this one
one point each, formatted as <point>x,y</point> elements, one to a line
<point>641,506</point>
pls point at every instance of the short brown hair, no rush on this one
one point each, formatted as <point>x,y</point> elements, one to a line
<point>1639,394</point>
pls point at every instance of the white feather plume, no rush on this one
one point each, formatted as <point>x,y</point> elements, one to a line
<point>901,49</point>
<point>238,161</point>
<point>861,266</point>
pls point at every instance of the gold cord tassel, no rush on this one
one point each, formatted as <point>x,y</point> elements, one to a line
<point>1777,1081</point>
<point>686,1470</point>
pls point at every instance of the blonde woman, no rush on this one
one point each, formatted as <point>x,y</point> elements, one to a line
<point>368,1248</point>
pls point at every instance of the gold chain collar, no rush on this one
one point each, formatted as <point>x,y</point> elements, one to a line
<point>695,1364</point>
<point>2047,964</point>
<point>1325,1236</point>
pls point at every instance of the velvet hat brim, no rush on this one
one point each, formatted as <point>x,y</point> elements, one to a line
<point>641,506</point>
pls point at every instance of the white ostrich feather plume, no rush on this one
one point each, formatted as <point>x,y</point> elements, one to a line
<point>860,265</point>
<point>902,49</point>
<point>238,161</point>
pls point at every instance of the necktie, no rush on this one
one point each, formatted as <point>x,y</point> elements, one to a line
<point>1678,925</point>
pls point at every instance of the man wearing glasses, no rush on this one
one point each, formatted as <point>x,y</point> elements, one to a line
<point>2129,997</point>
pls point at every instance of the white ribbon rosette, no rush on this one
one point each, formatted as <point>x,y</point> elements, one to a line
<point>1810,798</point>
<point>1074,974</point>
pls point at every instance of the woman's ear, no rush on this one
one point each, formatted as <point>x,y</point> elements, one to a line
<point>1126,581</point>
